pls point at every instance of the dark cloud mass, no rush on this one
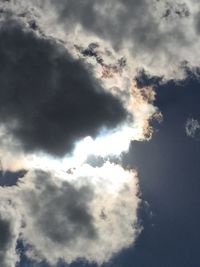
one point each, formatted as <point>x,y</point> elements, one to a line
<point>6,239</point>
<point>179,10</point>
<point>74,203</point>
<point>72,217</point>
<point>48,100</point>
<point>70,205</point>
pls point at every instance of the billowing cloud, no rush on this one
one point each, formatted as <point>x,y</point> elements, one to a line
<point>50,99</point>
<point>158,36</point>
<point>60,91</point>
<point>68,96</point>
<point>89,214</point>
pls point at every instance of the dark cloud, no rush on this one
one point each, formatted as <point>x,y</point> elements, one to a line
<point>59,212</point>
<point>5,234</point>
<point>48,100</point>
<point>99,161</point>
<point>197,22</point>
<point>70,204</point>
<point>95,161</point>
<point>68,216</point>
<point>178,10</point>
<point>6,239</point>
<point>108,69</point>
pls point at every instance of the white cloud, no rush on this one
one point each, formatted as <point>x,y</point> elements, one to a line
<point>90,214</point>
<point>155,35</point>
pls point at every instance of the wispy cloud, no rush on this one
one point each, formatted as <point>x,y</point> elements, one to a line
<point>192,128</point>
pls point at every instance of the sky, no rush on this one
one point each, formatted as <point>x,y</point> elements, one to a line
<point>99,133</point>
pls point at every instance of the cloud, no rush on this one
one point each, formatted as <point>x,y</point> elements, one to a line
<point>71,95</point>
<point>9,232</point>
<point>50,100</point>
<point>60,92</point>
<point>158,36</point>
<point>5,240</point>
<point>89,214</point>
<point>192,127</point>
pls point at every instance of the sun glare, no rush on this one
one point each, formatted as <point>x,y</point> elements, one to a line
<point>109,144</point>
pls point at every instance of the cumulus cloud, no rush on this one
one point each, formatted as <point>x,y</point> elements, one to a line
<point>50,99</point>
<point>155,35</point>
<point>67,93</point>
<point>89,214</point>
<point>61,90</point>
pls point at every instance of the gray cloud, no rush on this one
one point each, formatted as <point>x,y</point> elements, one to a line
<point>176,10</point>
<point>114,20</point>
<point>79,215</point>
<point>151,32</point>
<point>70,205</point>
<point>5,239</point>
<point>50,100</point>
<point>197,23</point>
<point>192,128</point>
<point>9,232</point>
<point>148,33</point>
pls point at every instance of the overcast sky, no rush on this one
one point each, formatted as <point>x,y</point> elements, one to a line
<point>99,133</point>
